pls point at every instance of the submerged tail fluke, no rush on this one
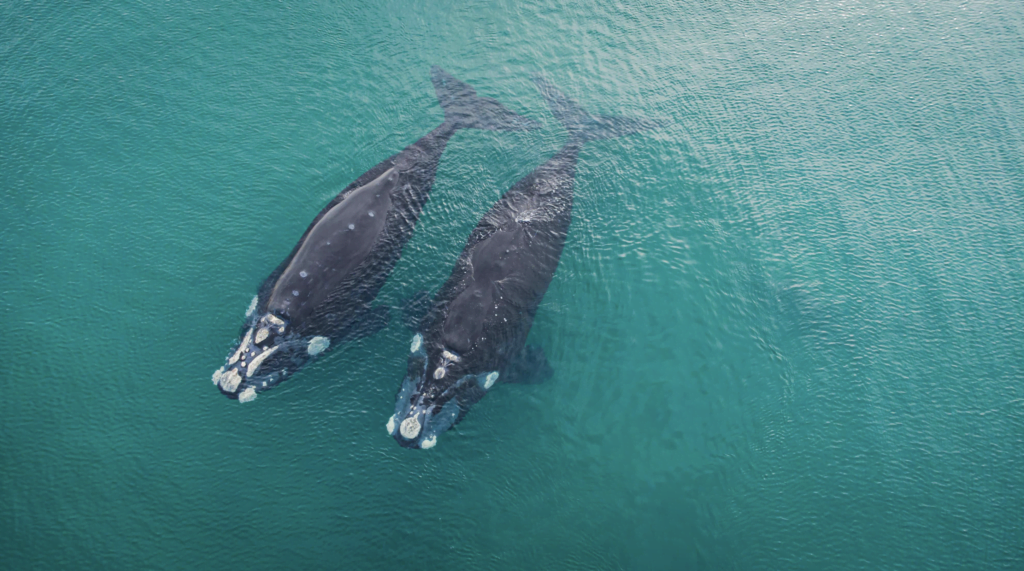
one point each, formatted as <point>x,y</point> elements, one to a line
<point>583,126</point>
<point>464,109</point>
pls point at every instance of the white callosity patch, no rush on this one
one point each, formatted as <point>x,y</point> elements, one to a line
<point>247,395</point>
<point>252,305</point>
<point>391,424</point>
<point>317,345</point>
<point>217,374</point>
<point>447,358</point>
<point>230,380</point>
<point>262,334</point>
<point>428,442</point>
<point>255,364</point>
<point>490,379</point>
<point>417,342</point>
<point>410,428</point>
<point>275,319</point>
<point>241,348</point>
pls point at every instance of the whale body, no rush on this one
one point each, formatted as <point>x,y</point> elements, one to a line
<point>476,328</point>
<point>321,294</point>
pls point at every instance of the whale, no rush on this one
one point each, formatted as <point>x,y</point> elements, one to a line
<point>474,332</point>
<point>321,294</point>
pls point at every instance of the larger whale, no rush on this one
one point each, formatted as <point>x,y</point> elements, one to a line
<point>475,330</point>
<point>321,293</point>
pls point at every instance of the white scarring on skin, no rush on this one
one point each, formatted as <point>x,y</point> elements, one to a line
<point>428,442</point>
<point>230,380</point>
<point>255,364</point>
<point>391,424</point>
<point>247,395</point>
<point>241,348</point>
<point>417,342</point>
<point>262,334</point>
<point>490,379</point>
<point>410,428</point>
<point>252,305</point>
<point>317,345</point>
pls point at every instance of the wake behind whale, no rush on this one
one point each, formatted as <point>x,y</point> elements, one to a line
<point>321,294</point>
<point>475,331</point>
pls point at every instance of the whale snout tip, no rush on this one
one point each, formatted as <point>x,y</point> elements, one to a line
<point>227,380</point>
<point>410,428</point>
<point>415,430</point>
<point>233,384</point>
<point>419,425</point>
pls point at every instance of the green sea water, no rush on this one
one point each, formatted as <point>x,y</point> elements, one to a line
<point>787,329</point>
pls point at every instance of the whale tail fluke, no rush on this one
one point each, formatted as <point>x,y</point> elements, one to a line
<point>464,109</point>
<point>583,126</point>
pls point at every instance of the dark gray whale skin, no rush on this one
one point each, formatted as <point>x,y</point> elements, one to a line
<point>475,331</point>
<point>321,293</point>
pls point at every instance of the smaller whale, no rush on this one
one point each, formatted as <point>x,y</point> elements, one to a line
<point>475,330</point>
<point>320,295</point>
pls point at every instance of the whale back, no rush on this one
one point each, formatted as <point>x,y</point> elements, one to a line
<point>340,241</point>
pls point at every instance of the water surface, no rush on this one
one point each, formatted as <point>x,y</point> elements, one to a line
<point>786,330</point>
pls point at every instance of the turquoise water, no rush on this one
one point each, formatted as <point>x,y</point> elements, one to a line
<point>787,329</point>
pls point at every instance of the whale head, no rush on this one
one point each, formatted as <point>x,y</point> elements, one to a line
<point>435,394</point>
<point>264,356</point>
